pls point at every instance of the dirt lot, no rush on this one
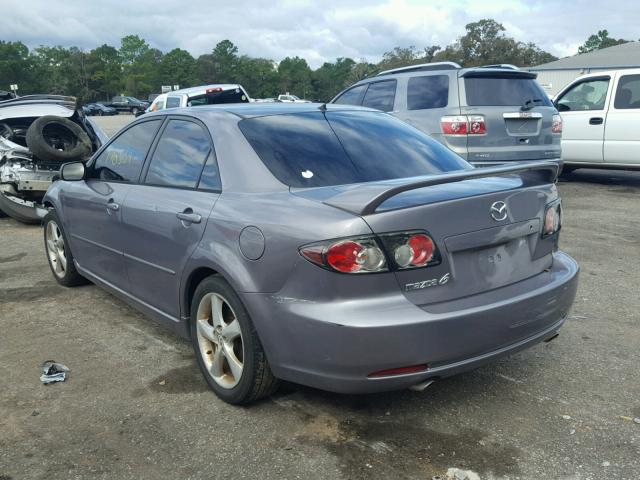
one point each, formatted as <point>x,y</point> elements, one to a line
<point>135,406</point>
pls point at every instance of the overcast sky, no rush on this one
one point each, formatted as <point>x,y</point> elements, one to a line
<point>315,30</point>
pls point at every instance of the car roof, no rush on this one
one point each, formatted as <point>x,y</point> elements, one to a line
<point>260,109</point>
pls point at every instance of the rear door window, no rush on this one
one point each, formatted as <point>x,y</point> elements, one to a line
<point>353,96</point>
<point>504,91</point>
<point>122,159</point>
<point>341,147</point>
<point>428,92</point>
<point>180,155</point>
<point>587,95</point>
<point>173,102</point>
<point>628,92</point>
<point>380,95</point>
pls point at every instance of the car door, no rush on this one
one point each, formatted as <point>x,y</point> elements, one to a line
<point>92,209</point>
<point>583,107</point>
<point>621,134</point>
<point>165,216</point>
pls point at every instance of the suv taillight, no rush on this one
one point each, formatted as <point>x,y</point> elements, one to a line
<point>556,124</point>
<point>463,125</point>
<point>372,253</point>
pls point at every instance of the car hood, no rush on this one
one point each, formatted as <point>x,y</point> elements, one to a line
<point>29,109</point>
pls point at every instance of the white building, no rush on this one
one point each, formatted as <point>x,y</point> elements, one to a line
<point>555,75</point>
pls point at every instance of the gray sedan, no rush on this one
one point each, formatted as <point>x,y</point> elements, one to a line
<point>331,246</point>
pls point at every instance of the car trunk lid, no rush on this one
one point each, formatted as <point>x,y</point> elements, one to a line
<point>486,224</point>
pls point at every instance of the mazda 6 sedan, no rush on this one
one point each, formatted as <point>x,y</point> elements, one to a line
<point>331,246</point>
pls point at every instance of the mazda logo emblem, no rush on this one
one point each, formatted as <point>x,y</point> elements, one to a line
<point>498,211</point>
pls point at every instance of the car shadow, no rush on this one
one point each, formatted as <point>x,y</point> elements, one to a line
<point>618,178</point>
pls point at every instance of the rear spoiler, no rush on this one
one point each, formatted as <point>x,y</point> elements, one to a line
<point>364,199</point>
<point>482,72</point>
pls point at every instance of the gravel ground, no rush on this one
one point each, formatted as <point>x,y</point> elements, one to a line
<point>136,407</point>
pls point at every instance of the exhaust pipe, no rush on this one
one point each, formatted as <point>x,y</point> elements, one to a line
<point>420,387</point>
<point>552,337</point>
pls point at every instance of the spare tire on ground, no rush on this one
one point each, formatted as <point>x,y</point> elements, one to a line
<point>58,139</point>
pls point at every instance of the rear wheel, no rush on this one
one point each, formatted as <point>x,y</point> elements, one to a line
<point>58,253</point>
<point>227,346</point>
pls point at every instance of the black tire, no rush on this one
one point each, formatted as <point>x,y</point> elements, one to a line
<point>57,139</point>
<point>100,113</point>
<point>71,277</point>
<point>257,380</point>
<point>135,110</point>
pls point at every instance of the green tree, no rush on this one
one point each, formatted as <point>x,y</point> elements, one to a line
<point>178,67</point>
<point>259,76</point>
<point>105,72</point>
<point>485,43</point>
<point>330,78</point>
<point>295,76</point>
<point>600,40</point>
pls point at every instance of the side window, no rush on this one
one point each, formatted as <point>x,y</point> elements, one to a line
<point>210,178</point>
<point>179,156</point>
<point>173,102</point>
<point>122,160</point>
<point>588,95</point>
<point>353,96</point>
<point>628,92</point>
<point>428,92</point>
<point>380,95</point>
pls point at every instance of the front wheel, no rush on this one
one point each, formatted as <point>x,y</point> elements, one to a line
<point>135,111</point>
<point>228,350</point>
<point>58,253</point>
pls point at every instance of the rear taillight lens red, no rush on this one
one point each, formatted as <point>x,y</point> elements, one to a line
<point>556,124</point>
<point>463,125</point>
<point>552,218</point>
<point>370,254</point>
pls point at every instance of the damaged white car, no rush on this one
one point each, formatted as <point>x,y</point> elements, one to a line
<point>38,134</point>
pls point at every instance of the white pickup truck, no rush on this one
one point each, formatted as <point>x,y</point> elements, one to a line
<point>601,120</point>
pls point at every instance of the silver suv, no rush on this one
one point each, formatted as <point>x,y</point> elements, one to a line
<point>487,115</point>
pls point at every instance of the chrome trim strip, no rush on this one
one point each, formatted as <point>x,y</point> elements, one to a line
<point>96,244</point>
<point>149,264</point>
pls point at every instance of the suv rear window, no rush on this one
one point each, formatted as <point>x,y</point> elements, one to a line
<point>315,150</point>
<point>504,91</point>
<point>428,92</point>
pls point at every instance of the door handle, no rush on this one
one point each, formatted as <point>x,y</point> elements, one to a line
<point>596,121</point>
<point>112,206</point>
<point>188,216</point>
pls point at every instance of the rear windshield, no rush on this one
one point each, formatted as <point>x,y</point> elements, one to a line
<point>317,149</point>
<point>234,95</point>
<point>504,91</point>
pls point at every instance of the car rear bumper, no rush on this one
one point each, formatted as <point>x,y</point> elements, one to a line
<point>336,345</point>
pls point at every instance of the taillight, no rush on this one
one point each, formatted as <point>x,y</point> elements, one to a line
<point>354,255</point>
<point>369,254</point>
<point>552,218</point>
<point>556,124</point>
<point>463,125</point>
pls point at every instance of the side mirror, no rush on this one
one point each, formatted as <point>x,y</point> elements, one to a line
<point>72,172</point>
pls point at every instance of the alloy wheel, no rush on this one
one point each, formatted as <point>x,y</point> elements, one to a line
<point>220,340</point>
<point>56,249</point>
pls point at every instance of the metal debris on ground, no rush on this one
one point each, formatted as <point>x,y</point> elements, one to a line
<point>53,372</point>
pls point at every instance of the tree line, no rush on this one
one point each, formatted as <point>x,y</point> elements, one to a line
<point>135,68</point>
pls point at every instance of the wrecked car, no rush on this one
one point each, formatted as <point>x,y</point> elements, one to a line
<point>39,134</point>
